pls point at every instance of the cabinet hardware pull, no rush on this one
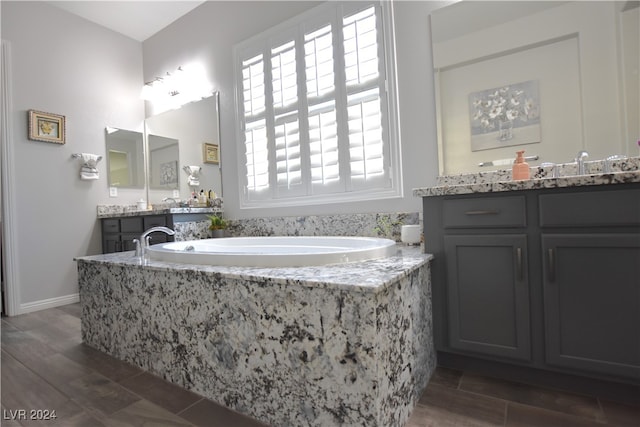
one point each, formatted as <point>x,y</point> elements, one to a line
<point>520,270</point>
<point>487,212</point>
<point>552,265</point>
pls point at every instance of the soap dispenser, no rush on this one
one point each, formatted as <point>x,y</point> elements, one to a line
<point>520,169</point>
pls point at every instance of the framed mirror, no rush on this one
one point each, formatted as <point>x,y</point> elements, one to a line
<point>179,136</point>
<point>125,158</point>
<point>551,78</point>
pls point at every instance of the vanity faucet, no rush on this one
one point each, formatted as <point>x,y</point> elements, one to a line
<point>609,160</point>
<point>580,158</point>
<point>143,243</point>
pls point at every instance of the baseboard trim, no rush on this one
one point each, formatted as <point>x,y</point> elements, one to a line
<point>49,303</point>
<point>626,393</point>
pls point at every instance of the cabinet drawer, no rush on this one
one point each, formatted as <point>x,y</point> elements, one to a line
<point>154,221</point>
<point>131,225</point>
<point>110,226</point>
<point>485,212</point>
<point>601,208</point>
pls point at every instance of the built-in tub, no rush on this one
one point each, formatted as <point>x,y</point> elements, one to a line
<point>346,344</point>
<point>288,251</point>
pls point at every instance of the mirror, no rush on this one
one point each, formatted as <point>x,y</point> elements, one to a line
<point>184,132</point>
<point>125,158</point>
<point>551,78</point>
<point>164,158</point>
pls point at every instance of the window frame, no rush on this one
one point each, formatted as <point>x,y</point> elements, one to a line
<point>262,43</point>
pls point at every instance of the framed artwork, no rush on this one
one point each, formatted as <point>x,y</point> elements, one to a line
<point>169,173</point>
<point>211,153</point>
<point>46,127</point>
<point>505,116</point>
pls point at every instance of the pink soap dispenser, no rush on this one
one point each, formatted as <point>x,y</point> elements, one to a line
<point>520,169</point>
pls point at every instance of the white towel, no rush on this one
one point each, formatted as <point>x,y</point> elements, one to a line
<point>89,173</point>
<point>90,160</point>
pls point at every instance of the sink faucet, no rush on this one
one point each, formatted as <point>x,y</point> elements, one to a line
<point>580,158</point>
<point>609,160</point>
<point>143,243</point>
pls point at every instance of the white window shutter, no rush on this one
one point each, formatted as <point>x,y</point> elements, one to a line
<point>313,108</point>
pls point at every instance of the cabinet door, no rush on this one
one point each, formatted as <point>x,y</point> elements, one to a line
<point>111,243</point>
<point>488,295</point>
<point>127,242</point>
<point>592,302</point>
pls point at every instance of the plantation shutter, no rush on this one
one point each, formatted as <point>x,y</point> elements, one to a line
<point>314,104</point>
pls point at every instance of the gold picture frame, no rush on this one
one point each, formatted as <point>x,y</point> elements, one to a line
<point>211,153</point>
<point>47,127</point>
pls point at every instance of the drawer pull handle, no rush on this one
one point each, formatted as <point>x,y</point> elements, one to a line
<point>552,265</point>
<point>486,212</point>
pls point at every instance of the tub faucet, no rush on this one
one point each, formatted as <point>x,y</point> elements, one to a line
<point>143,243</point>
<point>580,158</point>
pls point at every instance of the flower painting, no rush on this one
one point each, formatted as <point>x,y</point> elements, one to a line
<point>169,173</point>
<point>505,116</point>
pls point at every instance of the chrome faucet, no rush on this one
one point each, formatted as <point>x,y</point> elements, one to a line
<point>553,168</point>
<point>609,160</point>
<point>143,243</point>
<point>580,158</point>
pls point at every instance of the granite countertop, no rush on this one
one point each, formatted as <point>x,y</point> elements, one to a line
<point>119,211</point>
<point>365,276</point>
<point>530,184</point>
<point>624,171</point>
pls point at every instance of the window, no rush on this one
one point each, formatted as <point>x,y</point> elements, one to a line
<point>315,109</point>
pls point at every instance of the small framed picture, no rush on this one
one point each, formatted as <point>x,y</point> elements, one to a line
<point>46,127</point>
<point>211,153</point>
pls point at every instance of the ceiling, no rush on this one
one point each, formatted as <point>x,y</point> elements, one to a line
<point>138,20</point>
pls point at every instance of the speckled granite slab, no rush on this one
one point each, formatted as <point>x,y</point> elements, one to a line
<point>386,225</point>
<point>624,171</point>
<point>113,211</point>
<point>346,344</point>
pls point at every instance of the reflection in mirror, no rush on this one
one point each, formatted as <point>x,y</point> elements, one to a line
<point>190,127</point>
<point>551,78</point>
<point>125,158</point>
<point>164,158</point>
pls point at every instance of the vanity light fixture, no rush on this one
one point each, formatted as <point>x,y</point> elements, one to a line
<point>178,88</point>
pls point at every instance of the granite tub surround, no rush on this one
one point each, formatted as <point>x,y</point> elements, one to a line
<point>191,230</point>
<point>345,344</point>
<point>386,225</point>
<point>623,171</point>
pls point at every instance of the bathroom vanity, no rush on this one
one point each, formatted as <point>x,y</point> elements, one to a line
<point>537,278</point>
<point>122,224</point>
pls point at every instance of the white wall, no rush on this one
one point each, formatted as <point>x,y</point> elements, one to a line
<point>208,34</point>
<point>65,65</point>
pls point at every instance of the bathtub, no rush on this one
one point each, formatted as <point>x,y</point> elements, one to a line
<point>289,251</point>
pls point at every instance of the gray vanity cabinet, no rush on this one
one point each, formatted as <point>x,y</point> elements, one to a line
<point>488,290</point>
<point>534,281</point>
<point>118,233</point>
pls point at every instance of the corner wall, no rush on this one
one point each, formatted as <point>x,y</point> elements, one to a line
<point>62,64</point>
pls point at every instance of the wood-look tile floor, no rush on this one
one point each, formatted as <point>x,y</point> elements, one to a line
<point>45,366</point>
